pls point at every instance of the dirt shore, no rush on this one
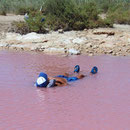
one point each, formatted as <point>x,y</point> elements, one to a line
<point>113,41</point>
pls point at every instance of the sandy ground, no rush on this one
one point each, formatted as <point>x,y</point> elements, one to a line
<point>5,21</point>
<point>113,41</point>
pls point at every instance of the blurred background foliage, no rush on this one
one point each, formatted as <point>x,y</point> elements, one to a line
<point>68,14</point>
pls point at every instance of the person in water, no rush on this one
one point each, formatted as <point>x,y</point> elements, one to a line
<point>61,80</point>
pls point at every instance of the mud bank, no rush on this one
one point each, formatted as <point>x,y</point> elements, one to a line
<point>114,41</point>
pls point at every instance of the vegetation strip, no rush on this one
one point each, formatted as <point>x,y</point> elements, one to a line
<point>45,15</point>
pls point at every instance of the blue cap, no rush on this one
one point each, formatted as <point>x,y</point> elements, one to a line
<point>94,70</point>
<point>42,80</point>
<point>77,69</point>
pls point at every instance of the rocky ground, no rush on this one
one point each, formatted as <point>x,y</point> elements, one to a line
<point>114,41</point>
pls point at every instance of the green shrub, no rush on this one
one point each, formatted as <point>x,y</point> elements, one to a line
<point>32,24</point>
<point>120,14</point>
<point>3,12</point>
<point>35,23</point>
<point>79,25</point>
<point>60,14</point>
<point>3,7</point>
<point>120,17</point>
<point>20,27</point>
<point>24,10</point>
<point>54,23</point>
<point>67,15</point>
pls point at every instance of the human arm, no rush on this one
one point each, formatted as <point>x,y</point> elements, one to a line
<point>59,81</point>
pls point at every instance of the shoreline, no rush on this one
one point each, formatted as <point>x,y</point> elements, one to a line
<point>111,41</point>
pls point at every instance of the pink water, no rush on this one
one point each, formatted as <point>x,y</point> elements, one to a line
<point>99,102</point>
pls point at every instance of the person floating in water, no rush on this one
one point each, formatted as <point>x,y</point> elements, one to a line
<point>61,80</point>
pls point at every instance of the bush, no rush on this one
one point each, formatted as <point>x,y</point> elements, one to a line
<point>67,15</point>
<point>3,7</point>
<point>20,27</point>
<point>32,24</point>
<point>3,12</point>
<point>79,25</point>
<point>54,23</point>
<point>70,14</point>
<point>36,22</point>
<point>24,10</point>
<point>63,14</point>
<point>119,14</point>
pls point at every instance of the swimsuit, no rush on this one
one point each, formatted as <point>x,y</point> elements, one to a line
<point>69,79</point>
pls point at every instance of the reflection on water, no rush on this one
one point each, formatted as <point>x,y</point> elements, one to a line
<point>98,102</point>
<point>40,94</point>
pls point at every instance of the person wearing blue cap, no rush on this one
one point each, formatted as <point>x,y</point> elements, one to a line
<point>61,80</point>
<point>42,80</point>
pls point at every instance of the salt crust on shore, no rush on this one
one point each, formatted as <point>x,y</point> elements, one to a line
<point>91,42</point>
<point>73,42</point>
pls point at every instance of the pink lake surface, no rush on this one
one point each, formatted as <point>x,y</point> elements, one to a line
<point>98,102</point>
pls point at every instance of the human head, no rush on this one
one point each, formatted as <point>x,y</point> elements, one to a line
<point>94,70</point>
<point>42,80</point>
<point>77,69</point>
